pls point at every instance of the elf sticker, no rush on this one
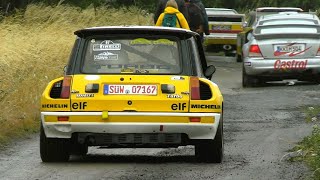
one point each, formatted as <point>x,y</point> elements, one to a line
<point>105,56</point>
<point>106,45</point>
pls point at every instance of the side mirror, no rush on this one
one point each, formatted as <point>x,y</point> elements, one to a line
<point>244,24</point>
<point>249,36</point>
<point>210,71</point>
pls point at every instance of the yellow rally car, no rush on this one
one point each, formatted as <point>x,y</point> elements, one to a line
<point>135,86</point>
<point>224,25</point>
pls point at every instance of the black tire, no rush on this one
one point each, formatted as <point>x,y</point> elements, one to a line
<point>53,149</point>
<point>229,54</point>
<point>239,58</point>
<point>211,151</point>
<point>317,79</point>
<point>246,79</point>
<point>79,149</point>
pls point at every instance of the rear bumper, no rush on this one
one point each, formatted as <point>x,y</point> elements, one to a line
<point>193,130</point>
<point>274,67</point>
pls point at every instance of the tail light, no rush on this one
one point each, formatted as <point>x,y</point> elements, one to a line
<point>254,51</point>
<point>65,92</point>
<point>63,118</point>
<point>318,53</point>
<point>195,88</point>
<point>194,119</point>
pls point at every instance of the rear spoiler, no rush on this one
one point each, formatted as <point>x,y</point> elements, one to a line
<point>261,22</point>
<point>258,29</point>
<point>293,35</point>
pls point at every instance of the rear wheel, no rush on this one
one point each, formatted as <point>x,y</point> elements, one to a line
<point>317,79</point>
<point>79,149</point>
<point>246,79</point>
<point>229,54</point>
<point>211,151</point>
<point>239,58</point>
<point>53,149</point>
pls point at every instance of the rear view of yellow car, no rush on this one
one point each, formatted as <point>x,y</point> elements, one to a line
<point>224,25</point>
<point>132,87</point>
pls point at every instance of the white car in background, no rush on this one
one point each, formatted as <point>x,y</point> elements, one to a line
<point>286,47</point>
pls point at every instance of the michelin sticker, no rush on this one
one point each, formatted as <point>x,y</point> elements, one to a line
<point>105,56</point>
<point>106,45</point>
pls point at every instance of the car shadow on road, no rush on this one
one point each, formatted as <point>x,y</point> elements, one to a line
<point>101,158</point>
<point>283,83</point>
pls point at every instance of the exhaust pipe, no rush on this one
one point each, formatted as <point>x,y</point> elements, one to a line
<point>227,47</point>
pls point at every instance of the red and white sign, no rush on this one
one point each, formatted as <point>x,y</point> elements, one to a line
<point>291,64</point>
<point>131,89</point>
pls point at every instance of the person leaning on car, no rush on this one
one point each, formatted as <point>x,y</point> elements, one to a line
<point>162,5</point>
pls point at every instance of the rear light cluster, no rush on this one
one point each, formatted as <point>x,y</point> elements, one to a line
<point>199,90</point>
<point>254,51</point>
<point>318,53</point>
<point>65,92</point>
<point>63,118</point>
<point>195,88</point>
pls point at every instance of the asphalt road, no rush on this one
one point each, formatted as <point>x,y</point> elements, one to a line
<point>261,124</point>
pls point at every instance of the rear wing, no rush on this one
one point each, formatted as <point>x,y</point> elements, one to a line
<point>263,22</point>
<point>294,35</point>
<point>283,31</point>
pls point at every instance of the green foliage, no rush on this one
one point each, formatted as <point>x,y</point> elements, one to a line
<point>150,5</point>
<point>310,145</point>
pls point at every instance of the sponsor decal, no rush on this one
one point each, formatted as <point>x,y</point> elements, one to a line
<point>205,106</point>
<point>84,95</point>
<point>92,77</point>
<point>174,96</point>
<point>143,41</point>
<point>106,45</point>
<point>74,91</point>
<point>79,105</point>
<point>105,56</point>
<point>292,64</point>
<point>164,42</point>
<point>177,78</point>
<point>135,66</point>
<point>185,92</point>
<point>179,106</point>
<point>127,70</point>
<point>54,105</point>
<point>141,71</point>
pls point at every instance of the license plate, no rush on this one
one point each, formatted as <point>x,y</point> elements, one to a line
<point>130,89</point>
<point>290,48</point>
<point>221,27</point>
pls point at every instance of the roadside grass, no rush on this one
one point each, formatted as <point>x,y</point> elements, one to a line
<point>35,46</point>
<point>309,147</point>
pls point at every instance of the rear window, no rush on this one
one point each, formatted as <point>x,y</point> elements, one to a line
<point>225,19</point>
<point>145,55</point>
